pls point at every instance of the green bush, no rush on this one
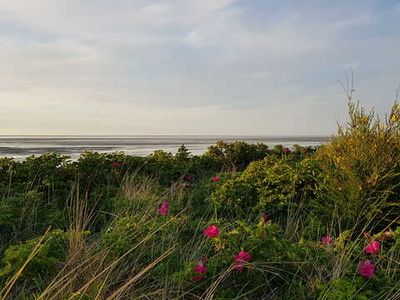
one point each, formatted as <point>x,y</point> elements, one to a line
<point>270,185</point>
<point>237,155</point>
<point>45,263</point>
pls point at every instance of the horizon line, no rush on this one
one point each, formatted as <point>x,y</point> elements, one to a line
<point>166,135</point>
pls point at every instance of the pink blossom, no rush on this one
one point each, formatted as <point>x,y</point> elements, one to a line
<point>240,259</point>
<point>216,179</point>
<point>211,231</point>
<point>373,248</point>
<point>366,269</point>
<point>326,240</point>
<point>164,208</point>
<point>200,268</point>
<point>242,256</point>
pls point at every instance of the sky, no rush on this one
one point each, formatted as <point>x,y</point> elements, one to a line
<point>215,67</point>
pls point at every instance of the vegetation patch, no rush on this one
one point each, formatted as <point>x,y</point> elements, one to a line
<point>240,221</point>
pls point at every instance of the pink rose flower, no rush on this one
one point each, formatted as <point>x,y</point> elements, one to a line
<point>216,179</point>
<point>200,268</point>
<point>240,259</point>
<point>164,208</point>
<point>373,248</point>
<point>326,240</point>
<point>211,231</point>
<point>242,256</point>
<point>366,269</point>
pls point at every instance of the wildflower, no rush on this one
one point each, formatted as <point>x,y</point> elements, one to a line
<point>366,269</point>
<point>242,256</point>
<point>373,248</point>
<point>211,231</point>
<point>286,150</point>
<point>240,259</point>
<point>216,179</point>
<point>326,240</point>
<point>164,208</point>
<point>116,164</point>
<point>200,268</point>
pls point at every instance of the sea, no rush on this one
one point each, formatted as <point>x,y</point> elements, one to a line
<point>19,147</point>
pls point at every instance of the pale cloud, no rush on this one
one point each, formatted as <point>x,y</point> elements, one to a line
<point>191,66</point>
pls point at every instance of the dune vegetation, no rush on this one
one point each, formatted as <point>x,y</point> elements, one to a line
<point>240,221</point>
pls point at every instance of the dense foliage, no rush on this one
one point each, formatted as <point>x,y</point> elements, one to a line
<point>239,222</point>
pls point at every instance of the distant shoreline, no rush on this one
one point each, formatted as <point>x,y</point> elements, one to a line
<point>139,145</point>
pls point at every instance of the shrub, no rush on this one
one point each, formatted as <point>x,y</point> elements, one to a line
<point>270,185</point>
<point>27,214</point>
<point>237,155</point>
<point>43,265</point>
<point>362,167</point>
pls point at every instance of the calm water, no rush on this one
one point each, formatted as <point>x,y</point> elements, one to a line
<point>22,146</point>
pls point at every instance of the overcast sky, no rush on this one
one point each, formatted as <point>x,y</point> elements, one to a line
<point>254,67</point>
